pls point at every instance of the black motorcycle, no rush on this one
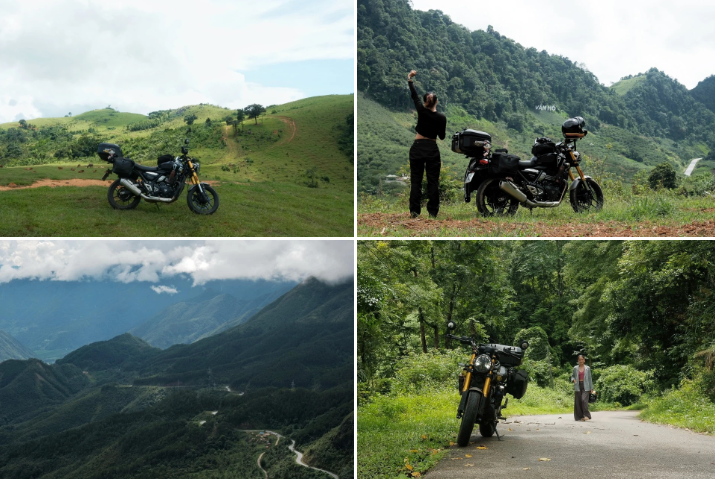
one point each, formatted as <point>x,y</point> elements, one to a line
<point>156,184</point>
<point>503,182</point>
<point>483,383</point>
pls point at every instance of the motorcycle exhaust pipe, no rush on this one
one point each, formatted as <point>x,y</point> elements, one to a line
<point>512,190</point>
<point>136,191</point>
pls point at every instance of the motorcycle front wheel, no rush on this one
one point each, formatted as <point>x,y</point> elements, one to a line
<point>468,418</point>
<point>493,201</point>
<point>587,196</point>
<point>200,204</point>
<point>120,198</point>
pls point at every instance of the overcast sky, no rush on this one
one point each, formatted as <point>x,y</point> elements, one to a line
<point>61,56</point>
<point>613,38</point>
<point>158,261</point>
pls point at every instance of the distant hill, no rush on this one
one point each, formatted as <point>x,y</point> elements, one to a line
<point>11,348</point>
<point>120,408</point>
<point>704,92</point>
<point>484,78</point>
<point>186,322</point>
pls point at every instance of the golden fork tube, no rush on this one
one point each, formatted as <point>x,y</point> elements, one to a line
<point>580,173</point>
<point>487,382</point>
<point>468,377</point>
<point>571,175</point>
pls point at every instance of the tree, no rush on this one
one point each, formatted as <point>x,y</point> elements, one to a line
<point>663,175</point>
<point>189,119</point>
<point>23,124</point>
<point>254,111</point>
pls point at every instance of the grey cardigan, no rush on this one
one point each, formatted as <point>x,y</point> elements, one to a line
<point>587,381</point>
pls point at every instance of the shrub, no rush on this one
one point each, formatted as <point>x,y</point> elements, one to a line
<point>651,207</point>
<point>623,384</point>
<point>538,342</point>
<point>433,370</point>
<point>663,176</point>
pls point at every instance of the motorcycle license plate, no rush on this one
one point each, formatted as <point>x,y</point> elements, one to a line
<point>469,177</point>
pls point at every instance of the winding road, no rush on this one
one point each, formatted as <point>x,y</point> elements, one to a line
<point>613,444</point>
<point>298,458</point>
<point>691,166</point>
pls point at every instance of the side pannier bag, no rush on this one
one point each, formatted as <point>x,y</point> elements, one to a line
<point>516,386</point>
<point>504,163</point>
<point>123,167</point>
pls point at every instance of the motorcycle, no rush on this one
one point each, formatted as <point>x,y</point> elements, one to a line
<point>483,383</point>
<point>156,184</point>
<point>503,181</point>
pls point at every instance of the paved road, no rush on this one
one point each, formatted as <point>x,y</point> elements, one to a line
<point>613,444</point>
<point>691,166</point>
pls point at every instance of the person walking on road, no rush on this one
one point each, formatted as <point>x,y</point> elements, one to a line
<point>424,153</point>
<point>583,386</point>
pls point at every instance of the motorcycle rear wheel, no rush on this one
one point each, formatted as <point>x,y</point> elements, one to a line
<point>120,198</point>
<point>586,197</point>
<point>200,205</point>
<point>488,426</point>
<point>493,201</point>
<point>468,418</point>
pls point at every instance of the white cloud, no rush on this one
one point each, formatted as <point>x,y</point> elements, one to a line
<point>137,55</point>
<point>154,261</point>
<point>613,38</point>
<point>164,289</point>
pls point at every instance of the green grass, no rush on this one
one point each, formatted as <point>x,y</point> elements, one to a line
<point>624,86</point>
<point>640,215</point>
<point>417,429</point>
<point>686,407</point>
<point>263,175</point>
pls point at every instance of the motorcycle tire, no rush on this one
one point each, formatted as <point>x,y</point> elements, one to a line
<point>493,201</point>
<point>121,198</point>
<point>468,418</point>
<point>586,197</point>
<point>488,426</point>
<point>198,204</point>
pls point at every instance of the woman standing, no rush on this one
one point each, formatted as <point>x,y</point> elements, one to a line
<point>583,386</point>
<point>424,153</point>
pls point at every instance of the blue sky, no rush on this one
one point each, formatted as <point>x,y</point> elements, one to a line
<point>140,56</point>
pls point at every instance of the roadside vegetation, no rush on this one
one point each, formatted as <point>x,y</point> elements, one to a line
<point>641,311</point>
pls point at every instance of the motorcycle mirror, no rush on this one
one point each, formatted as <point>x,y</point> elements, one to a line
<point>186,141</point>
<point>184,150</point>
<point>524,345</point>
<point>451,326</point>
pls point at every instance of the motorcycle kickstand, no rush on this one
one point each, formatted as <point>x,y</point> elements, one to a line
<point>497,433</point>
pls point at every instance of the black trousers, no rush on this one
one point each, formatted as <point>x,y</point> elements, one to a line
<point>424,156</point>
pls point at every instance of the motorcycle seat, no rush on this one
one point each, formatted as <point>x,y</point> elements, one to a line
<point>145,168</point>
<point>528,163</point>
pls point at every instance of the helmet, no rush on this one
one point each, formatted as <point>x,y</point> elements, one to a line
<point>573,127</point>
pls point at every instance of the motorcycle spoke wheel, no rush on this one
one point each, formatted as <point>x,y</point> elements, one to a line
<point>200,204</point>
<point>493,201</point>
<point>586,197</point>
<point>120,198</point>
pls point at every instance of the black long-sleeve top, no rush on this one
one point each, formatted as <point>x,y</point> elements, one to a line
<point>430,124</point>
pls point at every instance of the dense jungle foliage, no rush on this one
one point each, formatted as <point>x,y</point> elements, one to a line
<point>503,85</point>
<point>641,311</point>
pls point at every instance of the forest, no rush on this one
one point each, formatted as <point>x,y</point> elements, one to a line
<point>640,311</point>
<point>495,81</point>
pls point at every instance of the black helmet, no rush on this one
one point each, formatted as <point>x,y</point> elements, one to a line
<point>573,126</point>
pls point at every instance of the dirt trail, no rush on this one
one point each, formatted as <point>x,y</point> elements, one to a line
<point>259,464</point>
<point>291,125</point>
<point>400,224</point>
<point>56,183</point>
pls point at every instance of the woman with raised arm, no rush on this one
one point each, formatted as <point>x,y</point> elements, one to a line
<point>583,387</point>
<point>424,153</point>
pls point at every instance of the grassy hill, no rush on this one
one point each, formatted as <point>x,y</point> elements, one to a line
<point>287,175</point>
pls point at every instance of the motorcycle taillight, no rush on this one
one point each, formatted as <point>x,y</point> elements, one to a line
<point>484,161</point>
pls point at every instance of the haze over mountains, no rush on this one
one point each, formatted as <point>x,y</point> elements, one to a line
<point>486,80</point>
<point>113,408</point>
<point>72,314</point>
<point>11,348</point>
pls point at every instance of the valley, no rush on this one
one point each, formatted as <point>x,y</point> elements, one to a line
<point>123,408</point>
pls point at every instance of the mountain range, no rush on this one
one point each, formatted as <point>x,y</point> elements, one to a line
<point>11,348</point>
<point>487,81</point>
<point>123,408</point>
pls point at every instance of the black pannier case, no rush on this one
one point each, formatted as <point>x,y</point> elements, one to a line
<point>468,142</point>
<point>105,149</point>
<point>509,356</point>
<point>517,383</point>
<point>504,163</point>
<point>543,146</point>
<point>123,167</point>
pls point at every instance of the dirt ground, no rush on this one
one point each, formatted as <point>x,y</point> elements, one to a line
<point>387,224</point>
<point>56,183</point>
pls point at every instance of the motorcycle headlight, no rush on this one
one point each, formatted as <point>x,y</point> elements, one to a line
<point>483,363</point>
<point>196,167</point>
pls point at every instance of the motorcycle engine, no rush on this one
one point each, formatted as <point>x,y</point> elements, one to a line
<point>160,186</point>
<point>544,187</point>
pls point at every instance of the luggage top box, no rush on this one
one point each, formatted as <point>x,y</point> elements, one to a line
<point>470,142</point>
